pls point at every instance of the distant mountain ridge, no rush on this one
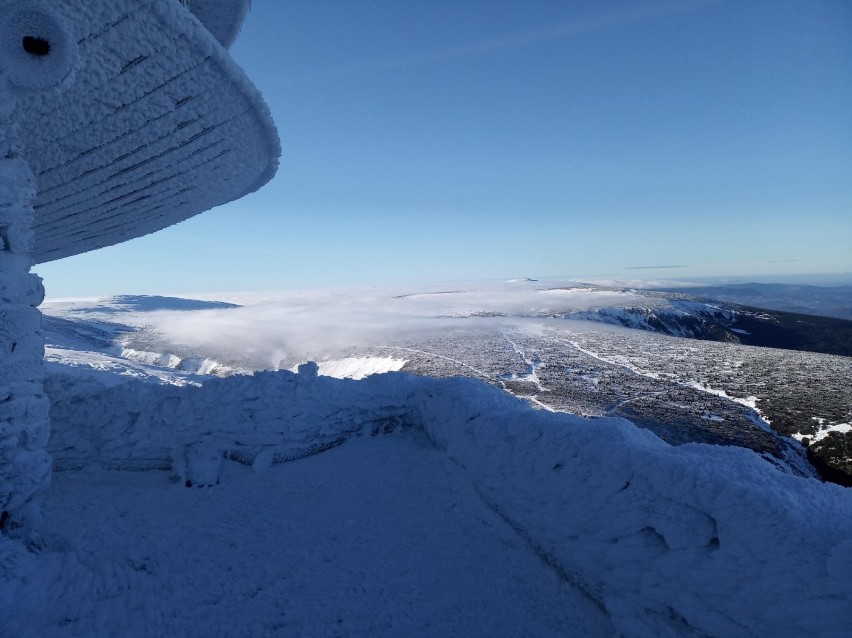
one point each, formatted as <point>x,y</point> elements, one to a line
<point>826,301</point>
<point>686,315</point>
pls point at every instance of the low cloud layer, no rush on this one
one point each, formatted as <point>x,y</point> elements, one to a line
<point>270,328</point>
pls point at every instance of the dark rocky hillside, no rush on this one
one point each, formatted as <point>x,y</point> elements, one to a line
<point>776,329</point>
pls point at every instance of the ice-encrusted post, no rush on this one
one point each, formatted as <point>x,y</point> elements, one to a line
<point>24,423</point>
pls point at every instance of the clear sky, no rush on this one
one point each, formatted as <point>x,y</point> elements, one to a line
<point>446,140</point>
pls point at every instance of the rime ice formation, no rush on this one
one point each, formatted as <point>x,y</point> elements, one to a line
<point>24,426</point>
<point>222,18</point>
<point>117,118</point>
<point>156,123</point>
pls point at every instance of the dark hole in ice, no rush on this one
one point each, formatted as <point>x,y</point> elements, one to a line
<point>36,46</point>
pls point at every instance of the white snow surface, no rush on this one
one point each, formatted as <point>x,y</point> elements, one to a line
<point>402,505</point>
<point>750,401</point>
<point>359,367</point>
<point>380,537</point>
<point>823,430</point>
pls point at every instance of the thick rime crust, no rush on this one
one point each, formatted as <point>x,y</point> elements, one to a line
<point>132,116</point>
<point>223,18</point>
<point>24,408</point>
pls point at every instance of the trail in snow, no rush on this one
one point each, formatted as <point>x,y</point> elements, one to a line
<point>532,366</point>
<point>531,376</point>
<point>644,395</point>
<point>755,415</point>
<point>621,361</point>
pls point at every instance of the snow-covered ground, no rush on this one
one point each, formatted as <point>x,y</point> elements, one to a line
<point>394,505</point>
<point>359,367</point>
<point>402,505</point>
<point>380,537</point>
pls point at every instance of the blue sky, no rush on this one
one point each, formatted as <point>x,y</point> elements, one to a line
<point>450,140</point>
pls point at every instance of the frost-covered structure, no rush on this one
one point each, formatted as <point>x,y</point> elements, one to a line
<point>117,118</point>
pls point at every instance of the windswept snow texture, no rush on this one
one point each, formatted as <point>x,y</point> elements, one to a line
<point>401,505</point>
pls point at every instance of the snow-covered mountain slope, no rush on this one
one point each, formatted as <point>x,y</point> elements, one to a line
<point>681,315</point>
<point>92,336</point>
<point>401,505</point>
<point>825,301</point>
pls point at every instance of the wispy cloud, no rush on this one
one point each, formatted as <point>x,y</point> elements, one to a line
<point>632,14</point>
<point>654,267</point>
<point>644,283</point>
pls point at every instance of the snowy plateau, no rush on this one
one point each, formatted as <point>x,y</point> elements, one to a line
<point>503,460</point>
